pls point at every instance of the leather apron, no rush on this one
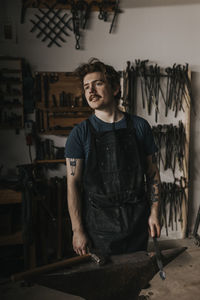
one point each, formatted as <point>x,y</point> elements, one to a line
<point>115,210</point>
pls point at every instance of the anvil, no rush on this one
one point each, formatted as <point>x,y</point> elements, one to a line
<point>122,278</point>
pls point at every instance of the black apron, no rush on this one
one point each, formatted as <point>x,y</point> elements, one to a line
<point>115,211</point>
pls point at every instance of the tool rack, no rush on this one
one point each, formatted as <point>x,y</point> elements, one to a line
<point>59,105</point>
<point>137,90</point>
<point>11,93</point>
<point>56,19</point>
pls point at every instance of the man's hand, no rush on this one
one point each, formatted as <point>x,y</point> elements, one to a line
<point>80,242</point>
<point>154,224</point>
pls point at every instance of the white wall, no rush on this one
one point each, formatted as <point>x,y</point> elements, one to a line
<point>162,34</point>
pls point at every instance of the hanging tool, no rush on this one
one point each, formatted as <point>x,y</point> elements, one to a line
<point>46,90</point>
<point>116,11</point>
<point>159,258</point>
<point>163,206</point>
<point>51,25</point>
<point>76,23</point>
<point>87,14</point>
<point>195,231</point>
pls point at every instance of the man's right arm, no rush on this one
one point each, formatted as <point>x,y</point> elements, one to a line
<point>74,180</point>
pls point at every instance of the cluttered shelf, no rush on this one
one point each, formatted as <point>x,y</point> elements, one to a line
<point>8,196</point>
<point>7,237</point>
<point>12,239</point>
<point>11,90</point>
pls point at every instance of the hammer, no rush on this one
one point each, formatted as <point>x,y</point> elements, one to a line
<point>97,258</point>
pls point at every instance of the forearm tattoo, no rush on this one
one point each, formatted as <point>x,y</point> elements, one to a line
<point>153,183</point>
<point>72,162</point>
<point>154,189</point>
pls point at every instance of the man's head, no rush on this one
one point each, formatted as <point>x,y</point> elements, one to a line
<point>110,75</point>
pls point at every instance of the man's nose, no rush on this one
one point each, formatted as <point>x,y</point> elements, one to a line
<point>91,89</point>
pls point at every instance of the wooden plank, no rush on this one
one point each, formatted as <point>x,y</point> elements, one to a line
<point>8,196</point>
<point>52,161</point>
<point>94,7</point>
<point>58,132</point>
<point>12,239</point>
<point>65,122</point>
<point>65,109</point>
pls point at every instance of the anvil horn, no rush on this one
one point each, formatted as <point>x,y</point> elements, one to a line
<point>170,254</point>
<point>122,278</point>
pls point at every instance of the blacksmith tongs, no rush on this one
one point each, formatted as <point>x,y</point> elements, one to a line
<point>159,258</point>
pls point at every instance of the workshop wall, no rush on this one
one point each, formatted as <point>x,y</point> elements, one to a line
<point>162,34</point>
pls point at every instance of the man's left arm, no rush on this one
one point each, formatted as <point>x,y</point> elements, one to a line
<point>154,183</point>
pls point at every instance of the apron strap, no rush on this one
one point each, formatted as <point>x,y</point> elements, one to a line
<point>89,123</point>
<point>129,122</point>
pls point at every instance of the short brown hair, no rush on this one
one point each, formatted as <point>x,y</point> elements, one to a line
<point>95,65</point>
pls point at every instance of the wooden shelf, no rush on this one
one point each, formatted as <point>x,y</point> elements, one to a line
<point>11,105</point>
<point>12,239</point>
<point>64,109</point>
<point>64,132</point>
<point>13,94</point>
<point>50,161</point>
<point>11,81</point>
<point>94,7</point>
<point>8,196</point>
<point>7,126</point>
<point>10,71</point>
<point>4,57</point>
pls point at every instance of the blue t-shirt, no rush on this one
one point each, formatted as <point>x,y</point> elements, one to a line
<point>78,141</point>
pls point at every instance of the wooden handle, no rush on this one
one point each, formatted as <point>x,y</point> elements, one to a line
<point>50,267</point>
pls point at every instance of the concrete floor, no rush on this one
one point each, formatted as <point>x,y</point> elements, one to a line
<point>182,280</point>
<point>182,275</point>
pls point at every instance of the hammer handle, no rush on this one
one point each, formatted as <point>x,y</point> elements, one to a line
<point>50,267</point>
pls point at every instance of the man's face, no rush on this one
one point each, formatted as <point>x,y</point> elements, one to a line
<point>98,91</point>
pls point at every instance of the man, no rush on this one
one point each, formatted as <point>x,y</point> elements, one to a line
<point>111,163</point>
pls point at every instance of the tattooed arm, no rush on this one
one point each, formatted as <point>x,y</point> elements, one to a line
<point>153,181</point>
<point>74,178</point>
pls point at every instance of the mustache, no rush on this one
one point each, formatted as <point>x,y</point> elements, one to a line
<point>93,96</point>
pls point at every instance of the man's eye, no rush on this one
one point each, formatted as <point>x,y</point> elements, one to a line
<point>86,87</point>
<point>99,83</point>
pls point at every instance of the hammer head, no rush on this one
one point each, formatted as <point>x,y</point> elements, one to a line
<point>98,257</point>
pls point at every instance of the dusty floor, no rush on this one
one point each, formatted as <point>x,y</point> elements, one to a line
<point>182,280</point>
<point>182,275</point>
